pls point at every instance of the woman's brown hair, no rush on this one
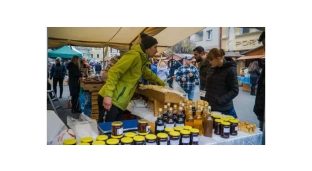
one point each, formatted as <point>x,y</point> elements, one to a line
<point>215,53</point>
<point>75,60</point>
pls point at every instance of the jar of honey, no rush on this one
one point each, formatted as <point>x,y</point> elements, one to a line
<point>87,140</point>
<point>162,139</point>
<point>143,126</point>
<point>178,128</point>
<point>112,141</point>
<point>225,129</point>
<point>185,137</point>
<point>130,134</point>
<point>117,128</point>
<point>70,141</point>
<point>83,144</point>
<point>126,141</point>
<point>174,138</point>
<point>168,130</point>
<point>194,136</point>
<point>138,140</point>
<point>101,138</point>
<point>187,128</point>
<point>233,126</point>
<point>217,126</point>
<point>150,139</point>
<point>98,143</point>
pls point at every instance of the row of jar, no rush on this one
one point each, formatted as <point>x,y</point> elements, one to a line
<point>173,136</point>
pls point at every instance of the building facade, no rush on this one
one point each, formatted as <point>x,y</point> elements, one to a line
<point>208,38</point>
<point>245,39</point>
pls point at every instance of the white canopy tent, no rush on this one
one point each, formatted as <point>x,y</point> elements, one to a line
<point>121,38</point>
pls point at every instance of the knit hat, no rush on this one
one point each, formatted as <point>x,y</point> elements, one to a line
<point>148,41</point>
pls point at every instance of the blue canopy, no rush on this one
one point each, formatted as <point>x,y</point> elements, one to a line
<point>64,52</point>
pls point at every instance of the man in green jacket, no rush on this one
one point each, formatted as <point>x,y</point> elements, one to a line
<point>123,79</point>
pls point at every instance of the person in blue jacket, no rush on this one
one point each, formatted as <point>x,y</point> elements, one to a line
<point>58,72</point>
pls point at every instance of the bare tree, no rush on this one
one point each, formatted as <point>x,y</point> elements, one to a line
<point>185,46</point>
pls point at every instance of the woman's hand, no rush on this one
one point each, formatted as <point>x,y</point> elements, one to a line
<point>107,103</point>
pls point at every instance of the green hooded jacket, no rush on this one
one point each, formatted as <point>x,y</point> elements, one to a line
<point>124,76</point>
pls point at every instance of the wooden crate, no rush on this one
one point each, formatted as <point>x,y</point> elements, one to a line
<point>91,87</point>
<point>94,116</point>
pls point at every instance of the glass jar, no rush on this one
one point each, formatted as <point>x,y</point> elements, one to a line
<point>225,119</point>
<point>117,138</point>
<point>143,126</point>
<point>174,138</point>
<point>185,137</point>
<point>214,117</point>
<point>98,143</point>
<point>112,141</point>
<point>117,128</point>
<point>194,136</point>
<point>233,126</point>
<point>150,139</point>
<point>230,117</point>
<point>162,139</point>
<point>178,128</point>
<point>87,140</point>
<point>168,130</point>
<point>217,126</point>
<point>138,140</point>
<point>101,138</point>
<point>126,141</point>
<point>70,141</point>
<point>130,134</point>
<point>83,144</point>
<point>225,129</point>
<point>187,128</point>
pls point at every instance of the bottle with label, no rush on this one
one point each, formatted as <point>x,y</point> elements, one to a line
<point>208,126</point>
<point>194,108</point>
<point>165,114</point>
<point>170,121</point>
<point>205,115</point>
<point>198,121</point>
<point>181,118</point>
<point>159,124</point>
<point>175,114</point>
<point>168,105</point>
<point>189,120</point>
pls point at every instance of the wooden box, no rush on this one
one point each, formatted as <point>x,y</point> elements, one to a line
<point>94,116</point>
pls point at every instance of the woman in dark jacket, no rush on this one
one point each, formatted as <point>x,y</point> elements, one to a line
<point>74,74</point>
<point>58,72</point>
<point>254,75</point>
<point>221,83</point>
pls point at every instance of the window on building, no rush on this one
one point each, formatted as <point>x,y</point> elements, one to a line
<point>199,36</point>
<point>98,55</point>
<point>91,55</point>
<point>244,30</point>
<point>209,35</point>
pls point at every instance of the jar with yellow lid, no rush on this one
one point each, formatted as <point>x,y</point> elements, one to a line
<point>117,128</point>
<point>150,139</point>
<point>112,141</point>
<point>83,144</point>
<point>126,141</point>
<point>185,137</point>
<point>138,140</point>
<point>117,137</point>
<point>174,138</point>
<point>101,138</point>
<point>98,143</point>
<point>230,117</point>
<point>130,134</point>
<point>142,134</point>
<point>187,128</point>
<point>194,136</point>
<point>214,117</point>
<point>233,126</point>
<point>162,139</point>
<point>143,126</point>
<point>225,129</point>
<point>70,141</point>
<point>168,130</point>
<point>87,140</point>
<point>225,119</point>
<point>178,128</point>
<point>217,126</point>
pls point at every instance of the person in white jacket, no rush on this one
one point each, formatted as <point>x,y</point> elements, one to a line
<point>162,71</point>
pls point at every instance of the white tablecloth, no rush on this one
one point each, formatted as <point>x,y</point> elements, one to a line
<point>240,139</point>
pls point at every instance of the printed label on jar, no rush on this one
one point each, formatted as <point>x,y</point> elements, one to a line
<point>174,142</point>
<point>226,130</point>
<point>160,128</point>
<point>236,128</point>
<point>154,143</point>
<point>181,125</point>
<point>195,139</point>
<point>185,140</point>
<point>163,143</point>
<point>169,125</point>
<point>119,131</point>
